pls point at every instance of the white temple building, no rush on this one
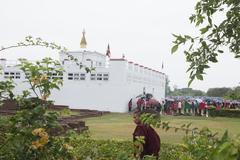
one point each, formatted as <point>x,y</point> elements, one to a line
<point>108,88</point>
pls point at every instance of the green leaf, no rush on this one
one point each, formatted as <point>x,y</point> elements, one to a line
<point>206,66</point>
<point>181,39</point>
<point>190,82</point>
<point>174,49</point>
<point>213,59</point>
<point>199,76</point>
<point>175,35</point>
<point>204,30</point>
<point>209,20</point>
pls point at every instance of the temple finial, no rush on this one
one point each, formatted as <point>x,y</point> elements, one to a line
<point>83,43</point>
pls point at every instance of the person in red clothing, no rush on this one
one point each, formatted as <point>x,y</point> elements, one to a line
<point>151,145</point>
<point>202,107</point>
<point>218,106</point>
<point>141,104</point>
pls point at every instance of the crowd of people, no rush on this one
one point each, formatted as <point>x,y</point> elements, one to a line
<point>180,105</point>
<point>172,106</point>
<point>196,105</point>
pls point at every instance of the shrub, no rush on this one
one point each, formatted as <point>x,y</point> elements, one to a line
<point>85,148</point>
<point>224,113</point>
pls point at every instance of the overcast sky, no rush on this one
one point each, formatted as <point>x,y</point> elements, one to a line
<point>140,29</point>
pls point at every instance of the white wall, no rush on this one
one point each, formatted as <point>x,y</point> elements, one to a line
<point>110,95</point>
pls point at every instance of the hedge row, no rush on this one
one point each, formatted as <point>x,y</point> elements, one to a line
<point>224,113</point>
<point>85,148</point>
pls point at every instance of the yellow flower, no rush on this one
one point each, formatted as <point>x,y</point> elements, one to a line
<point>44,138</point>
<point>43,134</point>
<point>37,131</point>
<point>36,145</point>
<point>43,78</point>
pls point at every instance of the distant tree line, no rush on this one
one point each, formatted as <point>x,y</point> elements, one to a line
<point>186,92</point>
<point>224,92</point>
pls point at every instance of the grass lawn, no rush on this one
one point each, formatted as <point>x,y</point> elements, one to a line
<point>121,126</point>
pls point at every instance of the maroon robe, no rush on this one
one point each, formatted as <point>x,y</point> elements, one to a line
<point>151,138</point>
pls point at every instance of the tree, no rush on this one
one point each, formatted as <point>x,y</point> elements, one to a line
<point>213,37</point>
<point>233,94</point>
<point>187,92</point>
<point>218,92</point>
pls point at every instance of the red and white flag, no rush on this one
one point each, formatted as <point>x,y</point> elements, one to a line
<point>108,53</point>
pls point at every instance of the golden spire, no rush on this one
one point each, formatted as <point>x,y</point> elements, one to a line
<point>83,43</point>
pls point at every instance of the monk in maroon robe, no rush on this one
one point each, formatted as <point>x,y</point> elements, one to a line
<point>151,145</point>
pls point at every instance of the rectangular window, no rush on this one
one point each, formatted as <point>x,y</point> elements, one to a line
<point>82,76</point>
<point>56,75</point>
<point>99,77</point>
<point>70,76</point>
<point>13,75</point>
<point>93,77</point>
<point>105,76</point>
<point>76,78</point>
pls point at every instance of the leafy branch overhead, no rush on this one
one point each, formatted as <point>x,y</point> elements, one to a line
<point>214,36</point>
<point>31,41</point>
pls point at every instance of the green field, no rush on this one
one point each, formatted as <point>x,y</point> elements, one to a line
<point>121,126</point>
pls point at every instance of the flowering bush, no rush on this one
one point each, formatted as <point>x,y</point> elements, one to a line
<point>26,134</point>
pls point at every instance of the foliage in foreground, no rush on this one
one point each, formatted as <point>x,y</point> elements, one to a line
<point>28,134</point>
<point>231,113</point>
<point>86,148</point>
<point>201,143</point>
<point>214,35</point>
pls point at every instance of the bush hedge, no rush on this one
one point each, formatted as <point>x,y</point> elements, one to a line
<point>224,113</point>
<point>85,148</point>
